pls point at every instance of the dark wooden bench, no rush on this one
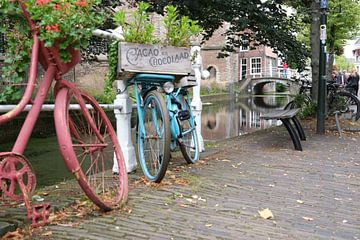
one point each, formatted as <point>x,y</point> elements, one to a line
<point>289,119</point>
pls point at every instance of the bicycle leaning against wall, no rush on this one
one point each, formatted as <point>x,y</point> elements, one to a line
<point>163,124</point>
<point>87,140</point>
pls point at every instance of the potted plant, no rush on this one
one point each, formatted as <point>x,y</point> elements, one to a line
<point>142,51</point>
<point>64,26</point>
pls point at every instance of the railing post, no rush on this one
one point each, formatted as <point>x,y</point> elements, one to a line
<point>196,101</point>
<point>123,126</point>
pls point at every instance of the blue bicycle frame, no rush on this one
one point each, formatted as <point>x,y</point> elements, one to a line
<point>174,111</point>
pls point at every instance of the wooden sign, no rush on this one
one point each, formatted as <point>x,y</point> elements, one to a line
<point>143,58</point>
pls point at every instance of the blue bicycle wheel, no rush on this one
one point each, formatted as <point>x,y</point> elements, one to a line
<point>154,137</point>
<point>188,140</point>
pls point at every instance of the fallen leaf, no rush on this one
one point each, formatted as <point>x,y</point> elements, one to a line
<point>266,213</point>
<point>181,181</point>
<point>16,235</point>
<point>300,201</point>
<point>208,225</point>
<point>308,218</point>
<point>48,233</point>
<point>37,198</point>
<point>202,199</point>
<point>226,160</point>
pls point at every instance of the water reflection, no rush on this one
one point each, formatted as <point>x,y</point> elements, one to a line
<point>238,116</point>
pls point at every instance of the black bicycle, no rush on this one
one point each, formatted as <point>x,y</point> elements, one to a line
<point>303,99</point>
<point>339,100</point>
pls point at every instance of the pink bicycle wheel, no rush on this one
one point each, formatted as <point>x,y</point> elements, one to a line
<point>89,146</point>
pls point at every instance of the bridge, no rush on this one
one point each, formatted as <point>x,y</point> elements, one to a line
<point>266,81</point>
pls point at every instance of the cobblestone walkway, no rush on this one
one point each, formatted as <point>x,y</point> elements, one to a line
<point>312,194</point>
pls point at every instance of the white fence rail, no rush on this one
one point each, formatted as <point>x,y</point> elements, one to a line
<point>51,107</point>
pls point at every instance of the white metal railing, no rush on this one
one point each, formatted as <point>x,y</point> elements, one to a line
<point>51,107</point>
<point>269,72</point>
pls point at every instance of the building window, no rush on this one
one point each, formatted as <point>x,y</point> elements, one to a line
<point>244,48</point>
<point>243,68</point>
<point>255,66</point>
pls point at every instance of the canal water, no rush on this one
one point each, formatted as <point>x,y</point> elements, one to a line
<point>221,119</point>
<point>234,117</point>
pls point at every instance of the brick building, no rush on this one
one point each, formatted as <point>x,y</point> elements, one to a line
<point>240,65</point>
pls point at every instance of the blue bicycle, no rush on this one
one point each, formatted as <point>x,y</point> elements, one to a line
<point>163,124</point>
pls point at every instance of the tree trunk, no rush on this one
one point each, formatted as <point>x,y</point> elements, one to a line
<point>315,47</point>
<point>331,46</point>
<point>330,64</point>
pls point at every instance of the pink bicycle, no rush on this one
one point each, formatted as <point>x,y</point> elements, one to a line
<point>87,140</point>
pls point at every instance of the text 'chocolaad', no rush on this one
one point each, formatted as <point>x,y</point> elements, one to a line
<point>154,58</point>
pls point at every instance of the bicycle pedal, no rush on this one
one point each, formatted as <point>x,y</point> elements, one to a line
<point>40,215</point>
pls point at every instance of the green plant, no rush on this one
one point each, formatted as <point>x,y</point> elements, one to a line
<point>179,30</point>
<point>338,104</point>
<point>139,30</point>
<point>212,88</point>
<point>60,22</point>
<point>17,55</point>
<point>109,94</point>
<point>68,23</point>
<point>306,105</point>
<point>280,87</point>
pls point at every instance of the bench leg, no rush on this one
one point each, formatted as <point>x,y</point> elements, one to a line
<point>299,128</point>
<point>293,134</point>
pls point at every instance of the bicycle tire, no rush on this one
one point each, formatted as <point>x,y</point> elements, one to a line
<point>345,102</point>
<point>88,144</point>
<point>352,104</point>
<point>154,163</point>
<point>189,145</point>
<point>290,105</point>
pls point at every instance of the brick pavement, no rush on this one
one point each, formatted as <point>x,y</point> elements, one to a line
<point>312,194</point>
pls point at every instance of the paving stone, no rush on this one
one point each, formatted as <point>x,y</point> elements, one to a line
<point>255,175</point>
